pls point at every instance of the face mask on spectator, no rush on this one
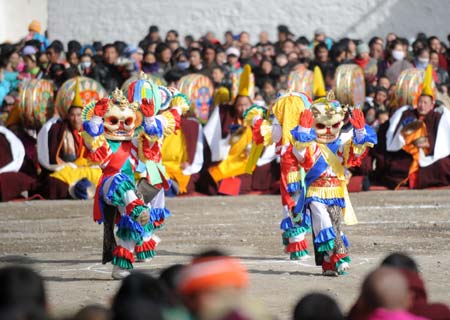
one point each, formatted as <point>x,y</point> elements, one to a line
<point>86,64</point>
<point>423,61</point>
<point>183,65</point>
<point>398,55</point>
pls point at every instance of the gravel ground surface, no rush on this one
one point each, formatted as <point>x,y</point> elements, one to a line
<point>60,240</point>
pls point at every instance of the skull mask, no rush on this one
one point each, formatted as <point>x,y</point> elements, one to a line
<point>329,118</point>
<point>120,119</point>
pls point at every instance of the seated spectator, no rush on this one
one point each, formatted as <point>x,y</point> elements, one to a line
<point>209,57</point>
<point>22,288</point>
<point>384,81</point>
<point>92,312</point>
<point>195,61</point>
<point>107,72</point>
<point>420,305</point>
<point>411,149</point>
<point>85,66</point>
<point>140,289</point>
<point>442,79</point>
<point>317,306</point>
<point>376,48</point>
<point>416,293</point>
<point>421,58</point>
<point>436,45</point>
<point>265,72</point>
<point>368,64</point>
<point>34,33</point>
<point>380,100</point>
<point>149,64</point>
<point>212,286</point>
<point>385,293</point>
<point>66,172</point>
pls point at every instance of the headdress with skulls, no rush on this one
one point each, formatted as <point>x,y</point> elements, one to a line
<point>329,117</point>
<point>121,118</point>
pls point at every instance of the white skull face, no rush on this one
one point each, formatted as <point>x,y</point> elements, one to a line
<point>119,123</point>
<point>328,132</point>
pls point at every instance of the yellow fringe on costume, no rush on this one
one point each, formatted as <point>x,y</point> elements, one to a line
<point>251,114</point>
<point>287,110</point>
<point>325,192</point>
<point>293,177</point>
<point>256,150</point>
<point>93,143</point>
<point>174,154</point>
<point>236,161</point>
<point>170,122</point>
<point>338,168</point>
<point>302,145</point>
<point>181,103</point>
<point>266,132</point>
<point>358,149</point>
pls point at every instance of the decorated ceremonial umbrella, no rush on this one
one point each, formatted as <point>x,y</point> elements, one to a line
<point>36,102</point>
<point>409,86</point>
<point>155,78</point>
<point>350,85</point>
<point>199,90</point>
<point>89,90</point>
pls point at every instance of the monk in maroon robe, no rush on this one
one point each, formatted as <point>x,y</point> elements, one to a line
<point>17,175</point>
<point>394,168</point>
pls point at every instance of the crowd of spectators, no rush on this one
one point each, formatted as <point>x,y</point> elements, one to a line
<point>213,286</point>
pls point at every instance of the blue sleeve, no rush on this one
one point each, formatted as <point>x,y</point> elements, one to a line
<point>302,136</point>
<point>369,137</point>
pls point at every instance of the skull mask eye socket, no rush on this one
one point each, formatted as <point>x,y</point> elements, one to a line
<point>320,126</point>
<point>112,120</point>
<point>129,121</point>
<point>336,125</point>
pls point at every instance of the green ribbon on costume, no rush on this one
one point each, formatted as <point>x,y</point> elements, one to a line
<point>153,170</point>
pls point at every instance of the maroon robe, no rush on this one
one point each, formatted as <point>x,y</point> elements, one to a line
<point>420,305</point>
<point>393,167</point>
<point>52,188</point>
<point>12,184</point>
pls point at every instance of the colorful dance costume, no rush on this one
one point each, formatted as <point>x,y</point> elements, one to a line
<point>113,141</point>
<point>313,187</point>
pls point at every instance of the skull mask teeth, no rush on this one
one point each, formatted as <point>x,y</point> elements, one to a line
<point>329,118</point>
<point>120,118</point>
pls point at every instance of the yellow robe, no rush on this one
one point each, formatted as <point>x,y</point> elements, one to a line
<point>72,175</point>
<point>174,154</point>
<point>236,161</point>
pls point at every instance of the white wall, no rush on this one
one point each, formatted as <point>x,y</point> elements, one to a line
<point>16,15</point>
<point>128,20</point>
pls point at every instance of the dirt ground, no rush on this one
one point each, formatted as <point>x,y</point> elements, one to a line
<point>60,240</point>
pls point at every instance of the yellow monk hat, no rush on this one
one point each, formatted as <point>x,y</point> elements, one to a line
<point>318,84</point>
<point>427,89</point>
<point>77,102</point>
<point>244,81</point>
<point>221,96</point>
